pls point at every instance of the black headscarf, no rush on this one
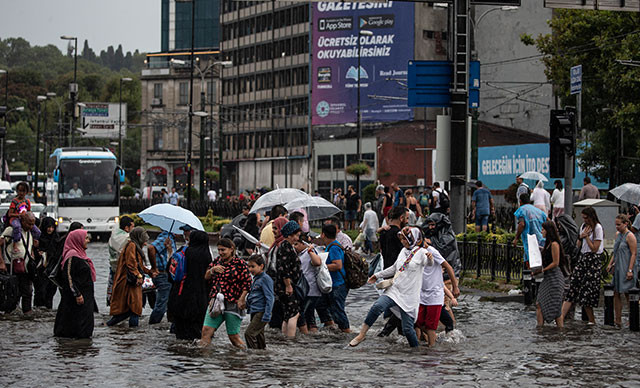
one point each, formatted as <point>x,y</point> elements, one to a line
<point>48,243</point>
<point>251,225</point>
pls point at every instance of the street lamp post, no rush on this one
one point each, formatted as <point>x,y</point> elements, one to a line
<point>361,33</point>
<point>41,99</point>
<point>6,107</point>
<point>125,79</point>
<point>73,88</point>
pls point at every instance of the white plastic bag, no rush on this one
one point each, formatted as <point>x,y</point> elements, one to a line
<point>323,277</point>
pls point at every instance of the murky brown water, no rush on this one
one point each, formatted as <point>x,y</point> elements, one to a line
<point>497,344</point>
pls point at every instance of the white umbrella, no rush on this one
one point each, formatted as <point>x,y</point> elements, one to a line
<point>252,239</point>
<point>276,197</point>
<point>628,192</point>
<point>170,218</point>
<point>534,175</point>
<point>317,208</point>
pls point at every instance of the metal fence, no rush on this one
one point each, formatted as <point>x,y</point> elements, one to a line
<point>482,258</point>
<point>223,208</point>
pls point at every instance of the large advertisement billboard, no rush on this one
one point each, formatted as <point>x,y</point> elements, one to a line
<point>499,166</point>
<point>386,46</point>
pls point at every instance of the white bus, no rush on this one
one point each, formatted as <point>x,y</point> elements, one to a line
<point>88,188</point>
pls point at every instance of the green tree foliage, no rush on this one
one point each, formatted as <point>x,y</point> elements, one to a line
<point>37,70</point>
<point>611,91</point>
<point>369,193</point>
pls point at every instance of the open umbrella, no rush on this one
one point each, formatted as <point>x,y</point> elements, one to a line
<point>628,192</point>
<point>170,218</point>
<point>534,175</point>
<point>317,208</point>
<point>252,239</point>
<point>276,197</point>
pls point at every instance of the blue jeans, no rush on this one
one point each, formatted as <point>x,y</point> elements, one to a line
<point>384,303</point>
<point>337,299</point>
<point>133,319</point>
<point>163,288</point>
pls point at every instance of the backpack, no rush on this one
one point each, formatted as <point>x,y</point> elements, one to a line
<point>443,199</point>
<point>356,268</point>
<point>9,292</point>
<point>178,267</point>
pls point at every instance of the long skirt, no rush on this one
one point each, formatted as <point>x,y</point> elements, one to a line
<point>585,280</point>
<point>551,294</point>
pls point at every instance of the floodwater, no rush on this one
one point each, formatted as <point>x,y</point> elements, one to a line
<point>495,344</point>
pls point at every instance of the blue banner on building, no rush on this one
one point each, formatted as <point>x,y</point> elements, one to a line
<point>499,166</point>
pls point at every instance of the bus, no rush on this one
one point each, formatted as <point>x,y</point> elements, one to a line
<point>87,189</point>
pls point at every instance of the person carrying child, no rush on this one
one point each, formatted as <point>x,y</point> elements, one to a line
<point>20,205</point>
<point>260,303</point>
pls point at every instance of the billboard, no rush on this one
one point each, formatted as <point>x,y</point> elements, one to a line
<point>384,55</point>
<point>100,120</point>
<point>499,166</point>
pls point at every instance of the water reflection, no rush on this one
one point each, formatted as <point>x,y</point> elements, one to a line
<point>495,344</point>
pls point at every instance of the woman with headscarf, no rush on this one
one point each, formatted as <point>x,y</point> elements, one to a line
<point>48,256</point>
<point>288,272</point>
<point>126,299</point>
<point>189,298</point>
<point>541,198</point>
<point>74,318</point>
<point>277,224</point>
<point>404,291</point>
<point>251,227</point>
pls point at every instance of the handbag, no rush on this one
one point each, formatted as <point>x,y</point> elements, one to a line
<point>132,279</point>
<point>216,305</point>
<point>383,285</point>
<point>9,292</point>
<point>302,288</point>
<point>323,278</point>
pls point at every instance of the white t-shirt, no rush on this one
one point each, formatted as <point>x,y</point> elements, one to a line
<point>596,235</point>
<point>557,199</point>
<point>432,292</point>
<point>405,290</point>
<point>212,195</point>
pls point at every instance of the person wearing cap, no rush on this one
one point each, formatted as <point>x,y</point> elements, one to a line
<point>288,272</point>
<point>159,253</point>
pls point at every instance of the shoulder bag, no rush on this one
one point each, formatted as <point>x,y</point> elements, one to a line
<point>383,285</point>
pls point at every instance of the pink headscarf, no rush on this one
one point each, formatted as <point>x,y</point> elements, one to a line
<point>279,223</point>
<point>74,246</point>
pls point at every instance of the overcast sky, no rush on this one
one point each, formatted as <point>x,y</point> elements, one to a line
<point>133,23</point>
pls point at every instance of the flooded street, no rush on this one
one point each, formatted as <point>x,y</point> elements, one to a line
<point>496,344</point>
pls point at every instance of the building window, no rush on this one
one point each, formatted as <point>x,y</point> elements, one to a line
<point>370,159</point>
<point>182,138</point>
<point>352,159</point>
<point>324,188</point>
<point>184,93</point>
<point>324,162</point>
<point>338,161</point>
<point>157,136</point>
<point>338,185</point>
<point>157,91</point>
<point>211,92</point>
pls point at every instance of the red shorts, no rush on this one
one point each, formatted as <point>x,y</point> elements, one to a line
<point>428,317</point>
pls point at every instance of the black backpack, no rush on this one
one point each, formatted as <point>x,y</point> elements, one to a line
<point>444,201</point>
<point>9,292</point>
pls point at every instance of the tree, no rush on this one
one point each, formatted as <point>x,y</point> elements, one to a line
<point>610,91</point>
<point>87,52</point>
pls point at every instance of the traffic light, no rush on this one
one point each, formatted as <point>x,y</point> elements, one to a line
<point>562,141</point>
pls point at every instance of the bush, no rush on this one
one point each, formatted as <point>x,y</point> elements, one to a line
<point>209,219</point>
<point>137,221</point>
<point>218,224</point>
<point>358,169</point>
<point>127,191</point>
<point>369,193</point>
<point>212,176</point>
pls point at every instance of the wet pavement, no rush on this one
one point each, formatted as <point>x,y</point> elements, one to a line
<point>495,344</point>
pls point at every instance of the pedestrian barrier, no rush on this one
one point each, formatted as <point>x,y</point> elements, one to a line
<point>223,208</point>
<point>498,261</point>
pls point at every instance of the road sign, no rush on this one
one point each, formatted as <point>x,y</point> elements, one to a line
<point>576,79</point>
<point>430,84</point>
<point>100,120</point>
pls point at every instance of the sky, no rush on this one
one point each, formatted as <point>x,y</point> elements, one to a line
<point>133,23</point>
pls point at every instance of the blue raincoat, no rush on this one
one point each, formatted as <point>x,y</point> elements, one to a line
<point>533,220</point>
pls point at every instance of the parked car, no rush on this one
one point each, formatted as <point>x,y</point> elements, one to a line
<point>6,192</point>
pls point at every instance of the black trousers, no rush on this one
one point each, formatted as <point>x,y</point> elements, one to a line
<point>26,291</point>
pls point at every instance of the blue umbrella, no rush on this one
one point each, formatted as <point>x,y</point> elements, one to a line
<point>170,218</point>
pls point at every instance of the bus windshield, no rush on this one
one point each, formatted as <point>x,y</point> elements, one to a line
<point>88,182</point>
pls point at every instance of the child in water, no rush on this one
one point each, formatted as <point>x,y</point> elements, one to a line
<point>20,205</point>
<point>260,303</point>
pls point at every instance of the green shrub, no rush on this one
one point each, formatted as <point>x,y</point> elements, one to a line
<point>358,169</point>
<point>127,191</point>
<point>218,224</point>
<point>137,221</point>
<point>369,194</point>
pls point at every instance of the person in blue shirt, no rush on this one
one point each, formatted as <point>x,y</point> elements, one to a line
<point>260,303</point>
<point>482,207</point>
<point>530,220</point>
<point>159,253</point>
<point>335,263</point>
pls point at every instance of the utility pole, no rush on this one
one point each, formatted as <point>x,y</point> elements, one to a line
<point>203,146</point>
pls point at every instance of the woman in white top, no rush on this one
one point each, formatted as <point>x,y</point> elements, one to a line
<point>541,198</point>
<point>369,227</point>
<point>557,199</point>
<point>585,279</point>
<point>432,294</point>
<point>405,290</point>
